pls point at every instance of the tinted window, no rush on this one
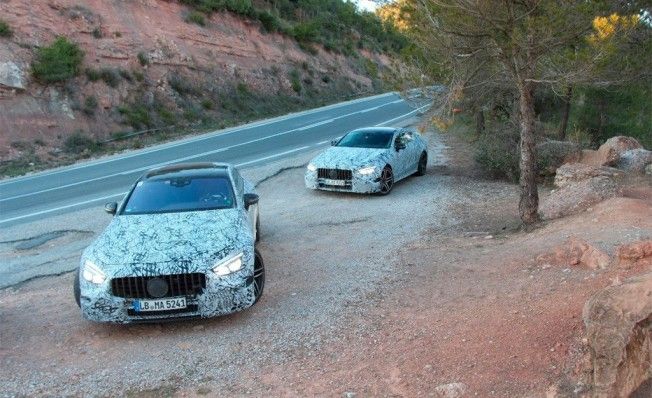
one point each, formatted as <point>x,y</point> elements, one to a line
<point>367,139</point>
<point>173,194</point>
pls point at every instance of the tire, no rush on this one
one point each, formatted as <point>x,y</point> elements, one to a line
<point>259,276</point>
<point>386,181</point>
<point>423,164</point>
<point>77,289</point>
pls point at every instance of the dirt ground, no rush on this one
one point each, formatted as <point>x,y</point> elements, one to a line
<point>430,291</point>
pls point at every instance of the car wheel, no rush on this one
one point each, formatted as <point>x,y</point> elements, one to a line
<point>77,289</point>
<point>386,180</point>
<point>259,276</point>
<point>423,163</point>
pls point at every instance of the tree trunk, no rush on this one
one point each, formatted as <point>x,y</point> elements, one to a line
<point>529,203</point>
<point>566,111</point>
<point>479,122</point>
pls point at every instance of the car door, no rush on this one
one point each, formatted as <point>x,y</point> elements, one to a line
<point>400,155</point>
<point>412,151</point>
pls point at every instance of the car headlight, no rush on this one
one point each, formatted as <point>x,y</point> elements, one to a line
<point>311,167</point>
<point>367,170</point>
<point>92,273</point>
<point>228,265</point>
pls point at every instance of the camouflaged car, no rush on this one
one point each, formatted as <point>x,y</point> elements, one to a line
<point>180,245</point>
<point>368,160</point>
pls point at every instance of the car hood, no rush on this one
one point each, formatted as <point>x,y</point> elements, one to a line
<point>349,158</point>
<point>169,242</point>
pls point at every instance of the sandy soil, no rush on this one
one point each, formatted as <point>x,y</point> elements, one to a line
<point>391,296</point>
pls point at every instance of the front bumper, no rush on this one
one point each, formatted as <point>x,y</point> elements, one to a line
<point>221,296</point>
<point>358,183</point>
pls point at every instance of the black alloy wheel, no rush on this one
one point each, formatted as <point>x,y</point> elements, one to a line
<point>423,163</point>
<point>259,275</point>
<point>386,180</point>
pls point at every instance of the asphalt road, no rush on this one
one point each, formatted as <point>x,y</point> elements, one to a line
<point>58,191</point>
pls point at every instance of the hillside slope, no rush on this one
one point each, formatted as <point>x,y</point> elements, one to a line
<point>147,65</point>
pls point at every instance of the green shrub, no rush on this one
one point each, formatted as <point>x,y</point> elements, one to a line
<point>136,115</point>
<point>196,17</point>
<point>143,58</point>
<point>207,104</point>
<point>57,62</point>
<point>90,105</point>
<point>270,22</point>
<point>78,142</point>
<point>97,33</point>
<point>295,80</point>
<point>125,75</point>
<point>92,74</point>
<point>138,75</point>
<point>166,116</point>
<point>5,29</point>
<point>305,31</point>
<point>110,76</point>
<point>182,85</point>
<point>497,153</point>
<point>242,88</point>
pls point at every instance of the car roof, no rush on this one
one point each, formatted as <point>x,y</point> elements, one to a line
<point>377,129</point>
<point>190,169</point>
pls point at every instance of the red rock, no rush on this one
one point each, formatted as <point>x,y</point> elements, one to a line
<point>609,152</point>
<point>576,252</point>
<point>618,321</point>
<point>635,254</point>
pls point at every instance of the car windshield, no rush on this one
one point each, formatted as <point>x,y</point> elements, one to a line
<point>175,194</point>
<point>367,139</point>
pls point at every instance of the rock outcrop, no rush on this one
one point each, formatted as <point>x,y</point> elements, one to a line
<point>571,173</point>
<point>635,254</point>
<point>609,153</point>
<point>618,321</point>
<point>579,196</point>
<point>11,76</point>
<point>576,252</point>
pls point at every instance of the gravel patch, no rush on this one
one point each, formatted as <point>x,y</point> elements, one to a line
<point>324,253</point>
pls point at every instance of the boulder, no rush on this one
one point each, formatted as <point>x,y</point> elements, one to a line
<point>579,196</point>
<point>618,322</point>
<point>576,252</point>
<point>635,160</point>
<point>609,153</point>
<point>552,154</point>
<point>574,172</point>
<point>11,76</point>
<point>635,254</point>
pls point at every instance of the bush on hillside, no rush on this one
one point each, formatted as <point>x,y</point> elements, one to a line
<point>57,62</point>
<point>5,29</point>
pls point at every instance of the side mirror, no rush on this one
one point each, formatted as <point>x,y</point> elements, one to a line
<point>111,208</point>
<point>334,141</point>
<point>399,145</point>
<point>250,199</point>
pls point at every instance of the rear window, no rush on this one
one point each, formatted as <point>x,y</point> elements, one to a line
<point>176,194</point>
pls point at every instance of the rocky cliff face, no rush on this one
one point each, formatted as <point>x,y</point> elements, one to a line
<point>145,66</point>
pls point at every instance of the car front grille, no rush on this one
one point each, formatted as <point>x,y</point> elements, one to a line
<point>334,174</point>
<point>177,285</point>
